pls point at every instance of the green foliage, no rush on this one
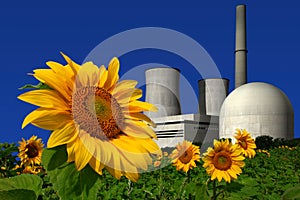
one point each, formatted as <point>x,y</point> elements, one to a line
<point>24,186</point>
<point>263,177</point>
<point>48,193</point>
<point>66,180</point>
<point>8,159</point>
<point>40,85</point>
<point>292,193</point>
<point>264,142</point>
<point>267,142</point>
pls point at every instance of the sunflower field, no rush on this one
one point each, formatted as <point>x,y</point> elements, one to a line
<point>271,174</point>
<point>102,146</point>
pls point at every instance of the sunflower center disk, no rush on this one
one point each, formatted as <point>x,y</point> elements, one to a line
<point>186,157</point>
<point>32,151</point>
<point>222,161</point>
<point>97,112</point>
<point>243,144</point>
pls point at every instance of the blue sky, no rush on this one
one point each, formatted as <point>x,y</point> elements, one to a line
<point>35,32</point>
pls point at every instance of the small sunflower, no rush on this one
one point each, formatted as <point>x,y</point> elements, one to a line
<point>246,142</point>
<point>98,117</point>
<point>185,155</point>
<point>223,161</point>
<point>32,169</point>
<point>30,151</point>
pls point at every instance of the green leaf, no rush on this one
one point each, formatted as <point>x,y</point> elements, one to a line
<point>38,86</point>
<point>201,192</point>
<point>19,194</point>
<point>67,181</point>
<point>291,193</point>
<point>25,184</point>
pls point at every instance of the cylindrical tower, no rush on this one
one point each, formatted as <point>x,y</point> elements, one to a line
<point>240,47</point>
<point>162,90</point>
<point>212,93</point>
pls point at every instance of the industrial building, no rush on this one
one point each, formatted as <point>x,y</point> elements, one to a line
<point>260,108</point>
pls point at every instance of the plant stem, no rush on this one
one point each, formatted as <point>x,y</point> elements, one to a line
<point>214,190</point>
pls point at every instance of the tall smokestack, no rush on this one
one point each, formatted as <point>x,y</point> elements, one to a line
<point>240,47</point>
<point>162,90</point>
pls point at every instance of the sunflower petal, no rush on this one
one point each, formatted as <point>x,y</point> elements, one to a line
<point>96,165</point>
<point>52,120</point>
<point>123,85</point>
<point>88,75</point>
<point>82,155</point>
<point>45,98</point>
<point>113,73</point>
<point>114,172</point>
<point>48,119</point>
<point>133,151</point>
<point>53,80</point>
<point>129,95</point>
<point>140,116</point>
<point>71,151</point>
<point>103,76</point>
<point>62,136</point>
<point>138,129</point>
<point>74,66</point>
<point>139,106</point>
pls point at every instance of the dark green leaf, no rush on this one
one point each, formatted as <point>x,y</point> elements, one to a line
<point>24,183</point>
<point>66,180</point>
<point>18,194</point>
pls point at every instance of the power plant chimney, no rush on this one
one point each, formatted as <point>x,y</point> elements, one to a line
<point>240,47</point>
<point>162,90</point>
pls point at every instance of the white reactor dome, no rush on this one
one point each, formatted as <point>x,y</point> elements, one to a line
<point>260,108</point>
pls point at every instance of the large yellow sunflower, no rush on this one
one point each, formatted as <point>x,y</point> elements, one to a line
<point>30,151</point>
<point>184,156</point>
<point>246,142</point>
<point>96,116</point>
<point>223,161</point>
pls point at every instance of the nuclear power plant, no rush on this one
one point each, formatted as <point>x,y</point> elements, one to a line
<point>260,108</point>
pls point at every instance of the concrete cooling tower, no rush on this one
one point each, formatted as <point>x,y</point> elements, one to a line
<point>260,108</point>
<point>212,93</point>
<point>162,86</point>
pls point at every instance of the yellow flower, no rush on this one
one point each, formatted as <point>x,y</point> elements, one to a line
<point>185,155</point>
<point>266,152</point>
<point>246,142</point>
<point>159,156</point>
<point>31,169</point>
<point>224,161</point>
<point>157,163</point>
<point>98,118</point>
<point>30,151</point>
<point>165,154</point>
<point>16,167</point>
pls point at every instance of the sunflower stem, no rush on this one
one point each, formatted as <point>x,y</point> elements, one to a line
<point>214,190</point>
